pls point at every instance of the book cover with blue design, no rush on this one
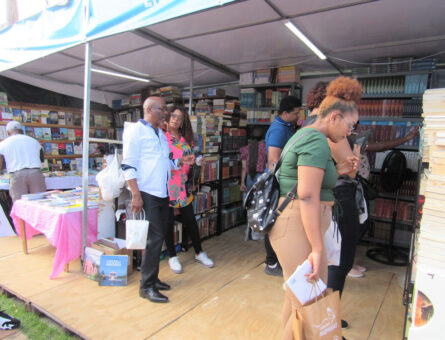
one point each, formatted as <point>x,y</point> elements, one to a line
<point>113,270</point>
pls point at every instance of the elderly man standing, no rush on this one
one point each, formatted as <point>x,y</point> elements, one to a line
<point>23,156</point>
<point>147,165</point>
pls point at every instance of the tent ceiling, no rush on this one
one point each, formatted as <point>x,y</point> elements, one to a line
<point>249,35</point>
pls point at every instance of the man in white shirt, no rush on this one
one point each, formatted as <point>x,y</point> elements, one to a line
<point>23,156</point>
<point>147,166</point>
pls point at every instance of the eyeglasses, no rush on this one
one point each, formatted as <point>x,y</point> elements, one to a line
<point>351,127</point>
<point>159,108</point>
<point>176,116</point>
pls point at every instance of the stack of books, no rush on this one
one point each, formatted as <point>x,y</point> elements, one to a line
<point>430,266</point>
<point>288,74</point>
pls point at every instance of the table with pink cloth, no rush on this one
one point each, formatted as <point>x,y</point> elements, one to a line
<point>63,229</point>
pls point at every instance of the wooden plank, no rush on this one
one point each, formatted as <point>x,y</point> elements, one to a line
<point>250,307</point>
<point>10,245</point>
<point>23,236</point>
<point>390,320</point>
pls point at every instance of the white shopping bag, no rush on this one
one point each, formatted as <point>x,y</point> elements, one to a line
<point>332,243</point>
<point>136,232</point>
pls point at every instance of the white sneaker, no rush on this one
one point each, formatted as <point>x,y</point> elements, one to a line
<point>203,259</point>
<point>175,265</point>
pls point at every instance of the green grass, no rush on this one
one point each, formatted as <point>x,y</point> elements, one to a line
<point>33,325</point>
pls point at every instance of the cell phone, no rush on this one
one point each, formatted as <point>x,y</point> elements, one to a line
<point>361,139</point>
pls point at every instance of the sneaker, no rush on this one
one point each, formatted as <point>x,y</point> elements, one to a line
<point>344,324</point>
<point>360,268</point>
<point>204,260</point>
<point>355,273</point>
<point>7,322</point>
<point>175,265</point>
<point>274,270</point>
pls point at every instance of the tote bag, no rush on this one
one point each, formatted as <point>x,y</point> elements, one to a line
<point>332,244</point>
<point>136,232</point>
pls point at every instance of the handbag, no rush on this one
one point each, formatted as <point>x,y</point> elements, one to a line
<point>319,319</point>
<point>332,244</point>
<point>262,199</point>
<point>136,232</point>
<point>193,180</point>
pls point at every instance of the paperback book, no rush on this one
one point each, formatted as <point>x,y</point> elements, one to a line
<point>91,263</point>
<point>113,270</point>
<point>53,117</point>
<point>6,113</point>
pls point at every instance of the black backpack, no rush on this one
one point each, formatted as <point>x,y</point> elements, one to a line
<point>262,199</point>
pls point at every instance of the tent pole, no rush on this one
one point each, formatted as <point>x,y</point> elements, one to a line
<point>192,71</point>
<point>85,145</point>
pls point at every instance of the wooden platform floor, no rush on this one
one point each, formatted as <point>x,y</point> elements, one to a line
<point>234,300</point>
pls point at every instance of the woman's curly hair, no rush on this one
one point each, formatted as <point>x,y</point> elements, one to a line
<point>342,94</point>
<point>316,95</point>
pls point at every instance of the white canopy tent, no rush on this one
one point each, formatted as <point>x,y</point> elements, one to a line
<point>241,36</point>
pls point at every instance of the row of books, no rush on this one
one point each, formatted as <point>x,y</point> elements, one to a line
<point>257,98</point>
<point>234,138</point>
<point>66,164</point>
<point>70,148</point>
<point>261,115</point>
<point>52,117</point>
<point>376,159</point>
<point>210,169</point>
<point>383,131</point>
<point>409,84</point>
<point>204,201</point>
<point>207,225</point>
<point>390,107</point>
<point>284,74</point>
<point>231,166</point>
<point>407,189</point>
<point>232,217</point>
<point>401,64</point>
<point>130,115</point>
<point>384,208</point>
<point>231,192</point>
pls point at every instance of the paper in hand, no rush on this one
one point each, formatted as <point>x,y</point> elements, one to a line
<point>298,284</point>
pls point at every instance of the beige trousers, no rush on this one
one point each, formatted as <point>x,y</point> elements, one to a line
<point>26,181</point>
<point>292,247</point>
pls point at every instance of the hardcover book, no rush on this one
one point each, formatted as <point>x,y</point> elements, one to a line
<point>69,149</point>
<point>55,133</point>
<point>54,149</point>
<point>71,134</point>
<point>113,270</point>
<point>47,148</point>
<point>78,134</point>
<point>26,116</point>
<point>62,148</point>
<point>17,115</point>
<point>63,133</point>
<point>69,118</point>
<point>6,113</point>
<point>46,133</point>
<point>53,117</point>
<point>91,263</point>
<point>77,119</point>
<point>44,117</point>
<point>61,118</point>
<point>30,131</point>
<point>35,116</point>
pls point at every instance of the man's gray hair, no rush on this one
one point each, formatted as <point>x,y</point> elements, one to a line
<point>13,125</point>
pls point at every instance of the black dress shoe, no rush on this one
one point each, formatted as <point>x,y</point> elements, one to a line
<point>162,285</point>
<point>152,293</point>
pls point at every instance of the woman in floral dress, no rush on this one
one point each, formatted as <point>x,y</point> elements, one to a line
<point>180,140</point>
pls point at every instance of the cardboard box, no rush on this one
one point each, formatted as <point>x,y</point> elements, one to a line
<point>108,248</point>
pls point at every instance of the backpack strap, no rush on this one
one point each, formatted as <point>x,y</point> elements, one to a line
<point>291,194</point>
<point>284,153</point>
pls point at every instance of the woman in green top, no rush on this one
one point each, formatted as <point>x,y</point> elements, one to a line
<point>298,232</point>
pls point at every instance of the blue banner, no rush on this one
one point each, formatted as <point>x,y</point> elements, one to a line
<point>61,27</point>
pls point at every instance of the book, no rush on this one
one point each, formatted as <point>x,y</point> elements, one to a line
<point>35,116</point>
<point>69,118</point>
<point>30,131</point>
<point>71,134</point>
<point>55,133</point>
<point>54,149</point>
<point>62,149</point>
<point>78,148</point>
<point>47,148</point>
<point>61,118</point>
<point>44,116</point>
<point>6,113</point>
<point>46,133</point>
<point>17,115</point>
<point>78,134</point>
<point>26,116</point>
<point>69,148</point>
<point>91,263</point>
<point>97,120</point>
<point>113,270</point>
<point>3,134</point>
<point>77,119</point>
<point>63,133</point>
<point>53,117</point>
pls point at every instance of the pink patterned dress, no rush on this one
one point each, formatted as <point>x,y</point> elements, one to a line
<point>179,197</point>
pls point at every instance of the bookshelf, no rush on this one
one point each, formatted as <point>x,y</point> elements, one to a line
<point>262,100</point>
<point>391,106</point>
<point>59,131</point>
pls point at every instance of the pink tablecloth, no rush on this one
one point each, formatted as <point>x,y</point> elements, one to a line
<point>62,229</point>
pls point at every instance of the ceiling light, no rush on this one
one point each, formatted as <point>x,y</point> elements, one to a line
<point>304,39</point>
<point>120,75</point>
